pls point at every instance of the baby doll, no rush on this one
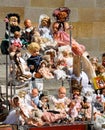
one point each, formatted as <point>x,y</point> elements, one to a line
<point>16,39</point>
<point>73,112</point>
<point>27,32</point>
<point>61,101</point>
<point>45,71</point>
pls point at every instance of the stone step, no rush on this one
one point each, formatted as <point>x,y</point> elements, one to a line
<point>50,86</point>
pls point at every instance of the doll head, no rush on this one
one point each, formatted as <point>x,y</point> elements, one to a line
<point>44,21</point>
<point>55,27</point>
<point>61,92</point>
<point>61,14</point>
<point>34,48</point>
<point>27,23</point>
<point>43,63</point>
<point>17,34</point>
<point>14,21</point>
<point>101,69</point>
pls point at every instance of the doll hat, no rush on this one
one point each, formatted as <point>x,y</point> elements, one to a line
<point>61,9</point>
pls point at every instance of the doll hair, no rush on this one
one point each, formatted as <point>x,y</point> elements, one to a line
<point>33,47</point>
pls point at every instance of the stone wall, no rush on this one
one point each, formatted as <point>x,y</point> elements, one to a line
<point>87,17</point>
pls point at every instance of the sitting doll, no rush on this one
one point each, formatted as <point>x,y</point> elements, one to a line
<point>16,39</point>
<point>33,63</point>
<point>60,101</point>
<point>35,59</point>
<point>59,72</point>
<point>45,71</point>
<point>45,32</point>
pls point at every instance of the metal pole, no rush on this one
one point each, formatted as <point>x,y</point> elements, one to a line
<point>71,50</point>
<point>6,77</point>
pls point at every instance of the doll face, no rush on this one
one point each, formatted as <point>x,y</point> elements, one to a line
<point>34,93</point>
<point>62,92</point>
<point>76,93</point>
<point>13,21</point>
<point>27,23</point>
<point>35,53</point>
<point>17,34</point>
<point>55,27</point>
<point>45,22</point>
<point>62,16</point>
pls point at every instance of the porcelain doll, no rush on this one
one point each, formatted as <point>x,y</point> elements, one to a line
<point>60,100</point>
<point>61,29</point>
<point>44,70</point>
<point>44,29</point>
<point>33,63</point>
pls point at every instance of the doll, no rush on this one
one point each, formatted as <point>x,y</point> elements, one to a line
<point>68,59</point>
<point>16,41</point>
<point>27,32</point>
<point>45,71</point>
<point>33,63</point>
<point>94,62</point>
<point>59,72</point>
<point>44,27</point>
<point>12,24</point>
<point>35,59</point>
<point>60,100</point>
<point>46,38</point>
<point>61,28</point>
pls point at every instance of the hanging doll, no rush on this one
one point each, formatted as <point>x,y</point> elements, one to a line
<point>12,24</point>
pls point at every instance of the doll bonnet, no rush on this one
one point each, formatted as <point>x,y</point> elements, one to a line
<point>45,18</point>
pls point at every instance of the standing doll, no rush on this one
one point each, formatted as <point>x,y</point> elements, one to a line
<point>61,30</point>
<point>33,63</point>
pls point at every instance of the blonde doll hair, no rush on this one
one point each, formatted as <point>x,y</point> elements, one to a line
<point>33,47</point>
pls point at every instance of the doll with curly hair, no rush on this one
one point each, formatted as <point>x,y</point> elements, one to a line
<point>33,63</point>
<point>61,29</point>
<point>35,59</point>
